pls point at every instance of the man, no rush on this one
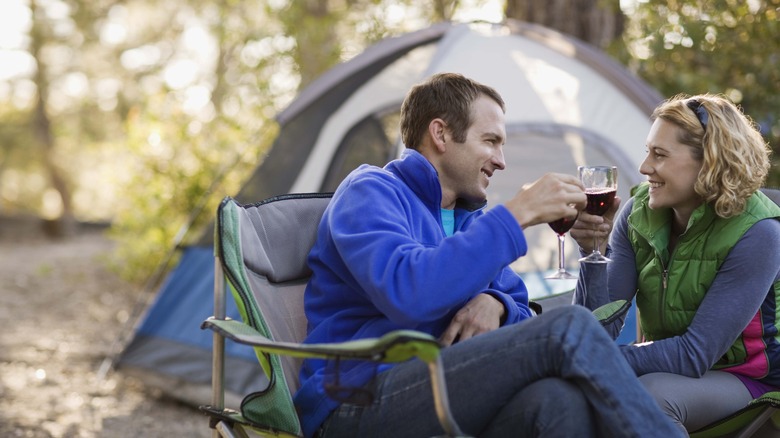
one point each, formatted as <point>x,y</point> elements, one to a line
<point>409,246</point>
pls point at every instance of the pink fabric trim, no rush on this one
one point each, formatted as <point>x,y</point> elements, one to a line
<point>756,365</point>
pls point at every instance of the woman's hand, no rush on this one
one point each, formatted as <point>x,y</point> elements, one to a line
<point>589,225</point>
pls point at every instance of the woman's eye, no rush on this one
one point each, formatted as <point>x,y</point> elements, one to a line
<point>654,153</point>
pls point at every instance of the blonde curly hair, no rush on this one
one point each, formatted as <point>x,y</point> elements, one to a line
<point>735,155</point>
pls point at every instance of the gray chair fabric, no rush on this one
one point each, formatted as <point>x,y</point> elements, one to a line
<point>276,237</point>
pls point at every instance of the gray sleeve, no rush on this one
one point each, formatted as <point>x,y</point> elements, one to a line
<point>599,284</point>
<point>733,299</point>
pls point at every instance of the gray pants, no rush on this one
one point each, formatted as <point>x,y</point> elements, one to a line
<point>696,402</point>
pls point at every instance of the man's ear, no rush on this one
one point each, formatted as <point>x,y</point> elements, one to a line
<point>437,130</point>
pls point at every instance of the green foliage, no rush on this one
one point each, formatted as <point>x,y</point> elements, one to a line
<point>134,148</point>
<point>178,168</point>
<point>177,172</point>
<point>729,47</point>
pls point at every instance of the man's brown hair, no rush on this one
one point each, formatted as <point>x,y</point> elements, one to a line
<point>447,96</point>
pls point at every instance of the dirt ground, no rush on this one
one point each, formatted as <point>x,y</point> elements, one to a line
<point>62,312</point>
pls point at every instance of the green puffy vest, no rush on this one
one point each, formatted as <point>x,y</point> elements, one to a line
<point>671,286</point>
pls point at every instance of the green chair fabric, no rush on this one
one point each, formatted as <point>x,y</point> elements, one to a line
<point>263,250</point>
<point>747,421</point>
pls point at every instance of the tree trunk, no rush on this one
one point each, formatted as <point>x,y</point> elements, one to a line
<point>312,24</point>
<point>65,223</point>
<point>597,22</point>
<point>444,9</point>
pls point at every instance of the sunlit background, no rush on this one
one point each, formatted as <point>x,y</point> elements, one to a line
<point>186,70</point>
<point>142,113</point>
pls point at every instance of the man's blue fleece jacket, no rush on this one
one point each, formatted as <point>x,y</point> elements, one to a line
<point>381,262</point>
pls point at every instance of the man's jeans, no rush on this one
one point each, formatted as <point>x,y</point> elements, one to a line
<point>555,375</point>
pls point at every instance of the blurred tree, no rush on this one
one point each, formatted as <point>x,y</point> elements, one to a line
<point>598,22</point>
<point>147,113</point>
<point>40,96</point>
<point>196,125</point>
<point>135,109</point>
<point>313,26</point>
<point>326,32</point>
<point>263,52</point>
<point>729,47</point>
<point>41,124</point>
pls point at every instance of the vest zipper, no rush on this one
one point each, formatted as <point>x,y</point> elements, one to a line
<point>666,275</point>
<point>665,283</point>
<point>662,295</point>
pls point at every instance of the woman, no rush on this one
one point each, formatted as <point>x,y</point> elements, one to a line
<point>696,246</point>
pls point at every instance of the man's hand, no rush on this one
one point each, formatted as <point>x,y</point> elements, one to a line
<point>480,315</point>
<point>551,197</point>
<point>588,226</point>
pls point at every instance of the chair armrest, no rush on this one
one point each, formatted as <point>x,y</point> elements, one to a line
<point>396,346</point>
<point>771,398</point>
<point>608,313</point>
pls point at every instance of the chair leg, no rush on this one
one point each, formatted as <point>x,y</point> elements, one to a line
<point>226,431</point>
<point>441,400</point>
<point>757,422</point>
<point>218,348</point>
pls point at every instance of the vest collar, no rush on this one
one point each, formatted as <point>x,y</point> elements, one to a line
<point>655,225</point>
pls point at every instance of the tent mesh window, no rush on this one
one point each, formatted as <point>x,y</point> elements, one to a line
<point>367,142</point>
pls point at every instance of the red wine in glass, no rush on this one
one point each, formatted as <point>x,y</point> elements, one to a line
<point>599,200</point>
<point>600,184</point>
<point>561,226</point>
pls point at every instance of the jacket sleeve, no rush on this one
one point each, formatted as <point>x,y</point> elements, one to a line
<point>510,290</point>
<point>412,274</point>
<point>599,284</point>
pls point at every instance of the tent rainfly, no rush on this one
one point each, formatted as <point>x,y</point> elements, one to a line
<point>568,104</point>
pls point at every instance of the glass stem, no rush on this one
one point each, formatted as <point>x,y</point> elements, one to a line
<point>561,238</point>
<point>595,244</point>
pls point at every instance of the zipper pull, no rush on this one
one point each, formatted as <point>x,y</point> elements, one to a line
<point>666,273</point>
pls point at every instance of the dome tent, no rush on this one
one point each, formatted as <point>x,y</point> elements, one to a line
<point>567,104</point>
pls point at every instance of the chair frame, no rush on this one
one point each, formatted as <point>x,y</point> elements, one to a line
<point>438,381</point>
<point>747,421</point>
<point>396,346</point>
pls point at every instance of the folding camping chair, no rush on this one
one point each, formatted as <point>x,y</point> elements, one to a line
<point>261,251</point>
<point>260,256</point>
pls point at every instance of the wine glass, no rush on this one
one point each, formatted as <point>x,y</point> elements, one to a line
<point>600,187</point>
<point>561,226</point>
